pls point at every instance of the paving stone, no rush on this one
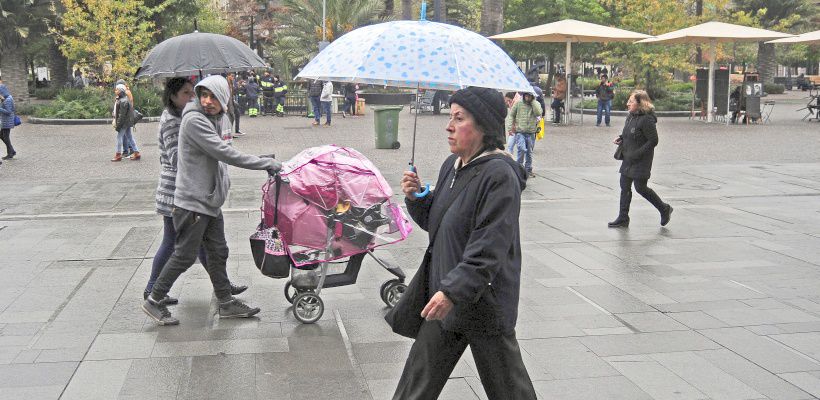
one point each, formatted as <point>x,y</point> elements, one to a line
<point>608,387</point>
<point>651,322</point>
<point>741,317</point>
<point>565,358</point>
<point>33,375</point>
<point>122,346</point>
<point>767,353</point>
<point>644,343</point>
<point>653,378</point>
<point>804,380</point>
<point>97,380</point>
<point>807,343</point>
<point>697,320</point>
<point>761,380</point>
<point>211,347</point>
<point>707,378</point>
<point>159,378</point>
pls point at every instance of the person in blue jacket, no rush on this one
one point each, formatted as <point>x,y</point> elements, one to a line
<point>7,114</point>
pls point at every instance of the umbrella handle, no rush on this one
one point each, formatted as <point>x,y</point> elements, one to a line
<point>423,193</point>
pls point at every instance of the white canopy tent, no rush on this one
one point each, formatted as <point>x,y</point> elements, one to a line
<point>714,33</point>
<point>569,31</point>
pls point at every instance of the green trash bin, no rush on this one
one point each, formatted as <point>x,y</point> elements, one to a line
<point>387,126</point>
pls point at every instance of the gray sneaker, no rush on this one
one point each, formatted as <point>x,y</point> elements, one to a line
<point>159,312</point>
<point>236,309</point>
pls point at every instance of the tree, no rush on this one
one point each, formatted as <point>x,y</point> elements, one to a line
<point>781,15</point>
<point>492,17</point>
<point>297,41</point>
<point>111,36</point>
<point>20,20</point>
<point>176,17</point>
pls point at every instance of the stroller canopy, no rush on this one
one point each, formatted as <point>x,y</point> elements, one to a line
<point>332,203</point>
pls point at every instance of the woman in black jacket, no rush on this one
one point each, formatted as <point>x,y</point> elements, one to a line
<point>638,141</point>
<point>472,268</point>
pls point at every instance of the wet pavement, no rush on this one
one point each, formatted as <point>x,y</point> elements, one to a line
<point>723,303</point>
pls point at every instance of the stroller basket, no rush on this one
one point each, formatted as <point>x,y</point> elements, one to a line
<point>307,277</point>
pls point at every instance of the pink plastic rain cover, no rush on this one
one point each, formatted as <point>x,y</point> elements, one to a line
<point>333,203</point>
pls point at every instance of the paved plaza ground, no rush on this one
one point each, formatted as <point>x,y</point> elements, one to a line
<point>723,303</point>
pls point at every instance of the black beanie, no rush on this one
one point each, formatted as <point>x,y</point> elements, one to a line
<point>487,107</point>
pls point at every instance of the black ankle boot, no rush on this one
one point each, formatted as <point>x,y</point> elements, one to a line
<point>666,214</point>
<point>620,222</point>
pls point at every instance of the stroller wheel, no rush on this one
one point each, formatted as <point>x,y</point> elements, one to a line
<point>308,308</point>
<point>391,292</point>
<point>290,295</point>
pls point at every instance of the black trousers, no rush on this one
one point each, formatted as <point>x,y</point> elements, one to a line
<point>434,356</point>
<point>642,189</point>
<point>194,230</point>
<point>5,135</point>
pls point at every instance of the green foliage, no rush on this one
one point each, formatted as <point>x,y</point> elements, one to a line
<point>587,82</point>
<point>671,100</point>
<point>519,14</point>
<point>774,88</point>
<point>680,86</point>
<point>91,103</point>
<point>148,100</point>
<point>46,93</point>
<point>78,104</point>
<point>26,109</point>
<point>298,43</point>
<point>109,35</point>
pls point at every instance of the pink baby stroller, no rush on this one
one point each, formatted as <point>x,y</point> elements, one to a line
<point>327,204</point>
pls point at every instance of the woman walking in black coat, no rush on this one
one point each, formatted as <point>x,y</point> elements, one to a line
<point>470,278</point>
<point>638,141</point>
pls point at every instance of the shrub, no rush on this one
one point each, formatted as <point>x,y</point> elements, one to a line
<point>587,82</point>
<point>679,87</point>
<point>78,104</point>
<point>774,88</point>
<point>148,100</point>
<point>46,93</point>
<point>673,102</point>
<point>26,109</point>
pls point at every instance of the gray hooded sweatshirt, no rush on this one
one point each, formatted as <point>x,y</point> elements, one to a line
<point>202,180</point>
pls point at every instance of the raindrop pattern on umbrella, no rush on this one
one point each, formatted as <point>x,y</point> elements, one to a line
<point>417,53</point>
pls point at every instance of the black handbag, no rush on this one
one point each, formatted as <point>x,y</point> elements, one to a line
<point>268,249</point>
<point>619,152</point>
<point>405,318</point>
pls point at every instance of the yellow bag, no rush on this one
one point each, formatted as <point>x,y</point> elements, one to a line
<point>539,134</point>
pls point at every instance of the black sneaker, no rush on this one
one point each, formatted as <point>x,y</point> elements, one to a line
<point>237,289</point>
<point>666,215</point>
<point>620,222</point>
<point>159,312</point>
<point>236,309</point>
<point>168,300</point>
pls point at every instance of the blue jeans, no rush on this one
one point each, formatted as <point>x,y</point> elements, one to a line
<point>125,139</point>
<point>349,103</point>
<point>166,248</point>
<point>603,106</point>
<point>317,108</point>
<point>524,142</point>
<point>556,110</point>
<point>326,111</point>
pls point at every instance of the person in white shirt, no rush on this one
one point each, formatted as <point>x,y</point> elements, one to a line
<point>326,99</point>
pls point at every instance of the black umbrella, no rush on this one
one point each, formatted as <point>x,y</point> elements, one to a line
<point>198,54</point>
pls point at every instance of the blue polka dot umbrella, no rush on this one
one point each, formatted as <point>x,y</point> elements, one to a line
<point>417,54</point>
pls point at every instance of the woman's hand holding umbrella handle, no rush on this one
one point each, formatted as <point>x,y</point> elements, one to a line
<point>411,184</point>
<point>438,307</point>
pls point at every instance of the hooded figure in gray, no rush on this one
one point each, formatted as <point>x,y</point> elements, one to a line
<point>202,181</point>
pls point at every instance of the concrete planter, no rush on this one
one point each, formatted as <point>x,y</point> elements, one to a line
<point>620,113</point>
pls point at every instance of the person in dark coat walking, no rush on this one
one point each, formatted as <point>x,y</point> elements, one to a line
<point>638,141</point>
<point>473,262</point>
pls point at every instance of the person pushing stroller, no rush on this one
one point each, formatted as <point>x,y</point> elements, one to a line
<point>202,185</point>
